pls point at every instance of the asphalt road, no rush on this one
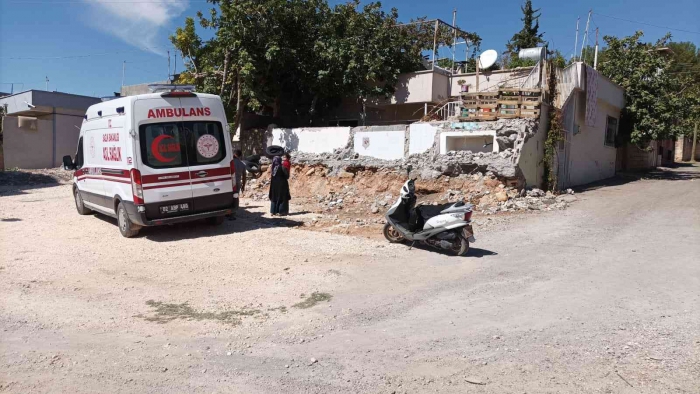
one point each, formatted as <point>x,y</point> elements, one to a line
<point>601,297</point>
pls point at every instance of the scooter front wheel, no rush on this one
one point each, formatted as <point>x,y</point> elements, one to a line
<point>392,235</point>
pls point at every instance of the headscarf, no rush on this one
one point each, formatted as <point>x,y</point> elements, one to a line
<point>276,162</point>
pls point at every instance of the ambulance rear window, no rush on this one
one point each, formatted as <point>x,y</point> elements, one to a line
<point>162,145</point>
<point>206,143</point>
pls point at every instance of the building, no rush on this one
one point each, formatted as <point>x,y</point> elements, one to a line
<point>41,127</point>
<point>684,147</point>
<point>421,92</point>
<point>591,106</point>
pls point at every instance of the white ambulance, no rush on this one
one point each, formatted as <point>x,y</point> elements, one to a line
<point>155,159</point>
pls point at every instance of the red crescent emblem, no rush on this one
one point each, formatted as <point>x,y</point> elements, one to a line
<point>154,149</point>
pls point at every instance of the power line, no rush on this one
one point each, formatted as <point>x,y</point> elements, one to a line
<point>77,56</point>
<point>648,24</point>
<point>99,2</point>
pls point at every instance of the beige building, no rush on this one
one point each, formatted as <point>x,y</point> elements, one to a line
<point>591,106</point>
<point>41,127</point>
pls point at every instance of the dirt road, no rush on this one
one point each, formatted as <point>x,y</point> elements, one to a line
<point>601,297</point>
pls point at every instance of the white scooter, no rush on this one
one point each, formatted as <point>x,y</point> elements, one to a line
<point>447,227</point>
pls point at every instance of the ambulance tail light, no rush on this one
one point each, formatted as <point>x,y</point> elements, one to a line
<point>136,186</point>
<point>233,176</point>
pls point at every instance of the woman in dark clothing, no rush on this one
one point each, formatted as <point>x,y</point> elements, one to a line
<point>279,188</point>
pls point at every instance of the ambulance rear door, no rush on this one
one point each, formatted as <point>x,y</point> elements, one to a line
<point>209,152</point>
<point>163,157</point>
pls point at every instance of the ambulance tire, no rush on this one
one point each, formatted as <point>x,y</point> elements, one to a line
<point>126,227</point>
<point>82,210</point>
<point>216,220</point>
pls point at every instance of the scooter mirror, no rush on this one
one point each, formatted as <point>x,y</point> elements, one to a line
<point>409,169</point>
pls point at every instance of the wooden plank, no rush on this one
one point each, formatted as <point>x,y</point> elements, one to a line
<point>509,102</point>
<point>532,90</point>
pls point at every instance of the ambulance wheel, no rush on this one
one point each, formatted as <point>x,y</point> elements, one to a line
<point>127,228</point>
<point>216,220</point>
<point>82,210</point>
<point>392,235</point>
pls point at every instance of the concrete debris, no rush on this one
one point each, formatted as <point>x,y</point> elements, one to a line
<point>511,134</point>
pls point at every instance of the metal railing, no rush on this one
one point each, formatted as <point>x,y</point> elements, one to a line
<point>534,79</point>
<point>449,110</point>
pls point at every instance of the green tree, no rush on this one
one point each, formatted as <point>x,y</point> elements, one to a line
<point>558,59</point>
<point>528,37</point>
<point>298,58</point>
<point>655,107</point>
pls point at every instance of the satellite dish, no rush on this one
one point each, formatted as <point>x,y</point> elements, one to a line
<point>488,58</point>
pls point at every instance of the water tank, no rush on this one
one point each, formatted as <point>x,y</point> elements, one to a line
<point>535,54</point>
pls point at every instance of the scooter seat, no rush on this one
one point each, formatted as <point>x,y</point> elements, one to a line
<point>429,211</point>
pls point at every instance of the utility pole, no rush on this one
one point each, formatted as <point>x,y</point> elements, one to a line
<point>695,140</point>
<point>169,66</point>
<point>576,41</point>
<point>437,24</point>
<point>585,35</point>
<point>47,83</point>
<point>454,39</point>
<point>595,57</point>
<point>123,70</point>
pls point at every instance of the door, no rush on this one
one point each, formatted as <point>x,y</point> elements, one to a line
<point>89,171</point>
<point>164,169</point>
<point>209,163</point>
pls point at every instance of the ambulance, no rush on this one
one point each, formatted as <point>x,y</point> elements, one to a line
<point>155,159</point>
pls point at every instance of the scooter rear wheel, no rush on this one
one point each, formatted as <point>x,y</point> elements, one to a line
<point>392,235</point>
<point>460,246</point>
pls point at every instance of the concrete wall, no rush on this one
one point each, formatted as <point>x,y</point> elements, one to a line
<point>590,159</point>
<point>311,140</point>
<point>421,138</point>
<point>387,145</point>
<point>610,93</point>
<point>488,80</point>
<point>24,147</point>
<point>468,140</point>
<point>531,161</point>
<point>67,134</point>
<point>29,148</point>
<point>414,87</point>
<point>441,87</point>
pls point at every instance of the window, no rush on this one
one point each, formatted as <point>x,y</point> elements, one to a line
<point>182,144</point>
<point>610,131</point>
<point>162,145</point>
<point>206,144</point>
<point>79,155</point>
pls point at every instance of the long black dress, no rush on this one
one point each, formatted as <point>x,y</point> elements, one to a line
<point>279,191</point>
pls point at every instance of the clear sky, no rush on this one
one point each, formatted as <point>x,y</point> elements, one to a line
<point>81,44</point>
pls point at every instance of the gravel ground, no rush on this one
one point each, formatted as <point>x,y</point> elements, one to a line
<point>601,297</point>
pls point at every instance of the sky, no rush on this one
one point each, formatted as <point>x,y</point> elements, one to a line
<point>81,45</point>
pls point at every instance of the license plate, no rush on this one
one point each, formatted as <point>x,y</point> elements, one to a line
<point>174,208</point>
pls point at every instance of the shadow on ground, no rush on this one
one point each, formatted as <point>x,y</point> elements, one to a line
<point>14,183</point>
<point>473,252</point>
<point>680,172</point>
<point>246,221</point>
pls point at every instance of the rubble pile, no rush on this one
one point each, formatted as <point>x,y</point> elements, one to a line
<point>511,134</point>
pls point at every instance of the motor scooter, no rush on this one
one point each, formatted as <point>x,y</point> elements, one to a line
<point>447,226</point>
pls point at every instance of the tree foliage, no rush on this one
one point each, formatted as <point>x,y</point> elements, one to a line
<point>528,37</point>
<point>656,103</point>
<point>297,58</point>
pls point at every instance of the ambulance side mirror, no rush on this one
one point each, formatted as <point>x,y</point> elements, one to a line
<point>68,163</point>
